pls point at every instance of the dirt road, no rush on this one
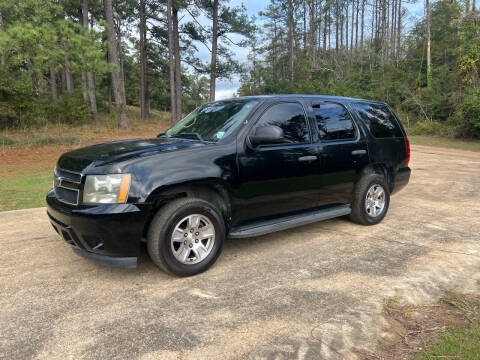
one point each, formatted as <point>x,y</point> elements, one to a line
<point>315,292</point>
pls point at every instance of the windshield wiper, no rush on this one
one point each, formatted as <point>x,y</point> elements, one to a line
<point>189,135</point>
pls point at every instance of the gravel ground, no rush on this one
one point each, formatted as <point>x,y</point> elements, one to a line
<point>314,292</point>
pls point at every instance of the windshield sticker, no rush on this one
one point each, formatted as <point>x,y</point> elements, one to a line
<point>220,134</point>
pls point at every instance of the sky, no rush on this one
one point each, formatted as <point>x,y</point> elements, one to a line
<point>227,88</point>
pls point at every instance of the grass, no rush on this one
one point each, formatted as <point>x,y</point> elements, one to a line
<point>21,191</point>
<point>458,343</point>
<point>44,140</point>
<point>470,145</point>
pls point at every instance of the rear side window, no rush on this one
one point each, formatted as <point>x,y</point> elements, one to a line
<point>379,119</point>
<point>291,118</point>
<point>333,122</point>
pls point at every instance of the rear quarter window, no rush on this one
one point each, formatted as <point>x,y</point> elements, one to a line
<point>379,119</point>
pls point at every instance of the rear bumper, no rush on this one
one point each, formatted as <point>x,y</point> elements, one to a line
<point>402,177</point>
<point>109,234</point>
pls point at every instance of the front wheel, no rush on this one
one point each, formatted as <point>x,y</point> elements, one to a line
<point>186,236</point>
<point>371,199</point>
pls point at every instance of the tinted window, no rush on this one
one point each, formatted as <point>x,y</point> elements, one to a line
<point>290,117</point>
<point>333,121</point>
<point>379,119</point>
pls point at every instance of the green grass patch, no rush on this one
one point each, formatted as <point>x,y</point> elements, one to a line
<point>6,141</point>
<point>458,343</point>
<point>23,191</point>
<point>32,140</point>
<point>471,145</point>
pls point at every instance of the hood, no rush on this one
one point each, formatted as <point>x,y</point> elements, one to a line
<point>117,151</point>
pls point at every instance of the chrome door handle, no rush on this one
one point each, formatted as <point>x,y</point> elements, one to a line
<point>359,152</point>
<point>307,158</point>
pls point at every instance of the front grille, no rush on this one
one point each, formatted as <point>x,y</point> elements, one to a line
<point>67,195</point>
<point>67,186</point>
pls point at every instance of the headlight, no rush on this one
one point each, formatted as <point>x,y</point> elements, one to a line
<point>106,189</point>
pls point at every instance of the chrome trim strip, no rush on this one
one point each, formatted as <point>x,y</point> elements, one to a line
<point>67,171</point>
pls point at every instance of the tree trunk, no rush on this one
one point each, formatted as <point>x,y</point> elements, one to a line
<point>304,25</point>
<point>84,74</point>
<point>113,59</point>
<point>143,61</point>
<point>68,77</point>
<point>325,32</point>
<point>63,79</point>
<point>352,28</point>
<point>109,90</point>
<point>399,30</point>
<point>363,24</point>
<point>318,26</point>
<point>392,29</point>
<point>356,24</point>
<point>342,24</point>
<point>53,83</point>
<point>178,74</point>
<point>290,38</point>
<point>2,58</point>
<point>213,62</point>
<point>121,61</point>
<point>171,62</point>
<point>84,87</point>
<point>429,60</point>
<point>312,31</point>
<point>336,26</point>
<point>384,28</point>
<point>90,77</point>
<point>92,95</point>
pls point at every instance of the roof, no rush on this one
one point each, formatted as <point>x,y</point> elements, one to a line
<point>303,96</point>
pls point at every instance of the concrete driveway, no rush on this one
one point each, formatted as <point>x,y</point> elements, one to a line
<point>314,292</point>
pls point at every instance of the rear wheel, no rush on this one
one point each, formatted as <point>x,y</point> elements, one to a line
<point>186,236</point>
<point>371,199</point>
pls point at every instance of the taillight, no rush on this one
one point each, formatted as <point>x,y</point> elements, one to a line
<point>407,149</point>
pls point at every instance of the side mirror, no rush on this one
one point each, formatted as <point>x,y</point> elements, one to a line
<point>266,135</point>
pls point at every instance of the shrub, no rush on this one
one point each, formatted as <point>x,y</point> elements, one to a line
<point>467,114</point>
<point>432,128</point>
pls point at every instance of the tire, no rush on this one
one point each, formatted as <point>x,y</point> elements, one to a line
<point>359,213</point>
<point>162,243</point>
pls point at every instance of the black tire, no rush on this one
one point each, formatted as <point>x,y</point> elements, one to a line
<point>359,213</point>
<point>161,228</point>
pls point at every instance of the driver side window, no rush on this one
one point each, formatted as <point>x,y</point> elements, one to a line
<point>290,117</point>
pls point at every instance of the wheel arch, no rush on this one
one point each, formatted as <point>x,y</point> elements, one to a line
<point>384,169</point>
<point>213,191</point>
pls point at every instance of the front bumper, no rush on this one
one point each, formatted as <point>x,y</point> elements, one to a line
<point>109,234</point>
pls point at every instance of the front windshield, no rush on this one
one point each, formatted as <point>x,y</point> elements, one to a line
<point>213,121</point>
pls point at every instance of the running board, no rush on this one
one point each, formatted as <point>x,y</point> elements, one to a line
<point>288,222</point>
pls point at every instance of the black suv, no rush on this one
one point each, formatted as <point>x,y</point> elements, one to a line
<point>239,168</point>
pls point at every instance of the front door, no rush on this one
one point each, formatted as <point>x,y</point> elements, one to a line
<point>278,178</point>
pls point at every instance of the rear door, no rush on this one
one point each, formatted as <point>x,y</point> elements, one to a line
<point>387,143</point>
<point>343,151</point>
